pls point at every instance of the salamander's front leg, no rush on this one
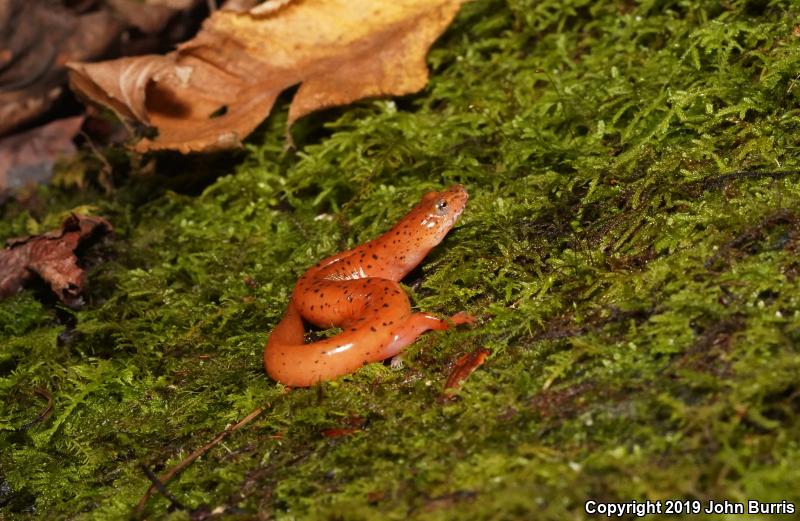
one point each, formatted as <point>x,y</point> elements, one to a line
<point>417,324</point>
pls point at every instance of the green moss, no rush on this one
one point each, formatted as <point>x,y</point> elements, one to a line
<point>630,245</point>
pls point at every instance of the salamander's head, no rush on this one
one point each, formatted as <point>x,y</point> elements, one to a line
<point>410,240</point>
<point>437,212</point>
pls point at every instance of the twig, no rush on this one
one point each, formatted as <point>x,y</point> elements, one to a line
<point>107,169</point>
<point>160,487</point>
<point>177,469</point>
<point>720,180</point>
<point>46,412</point>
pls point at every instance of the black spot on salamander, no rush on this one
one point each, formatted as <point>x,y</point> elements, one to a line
<point>312,308</point>
<point>369,266</point>
<point>372,328</point>
<point>384,324</point>
<point>374,256</point>
<point>349,298</point>
<point>353,329</point>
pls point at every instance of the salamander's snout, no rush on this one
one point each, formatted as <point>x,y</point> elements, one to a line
<point>451,202</point>
<point>437,213</point>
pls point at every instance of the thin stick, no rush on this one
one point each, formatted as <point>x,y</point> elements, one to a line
<point>107,168</point>
<point>177,469</point>
<point>96,151</point>
<point>161,488</point>
<point>46,412</point>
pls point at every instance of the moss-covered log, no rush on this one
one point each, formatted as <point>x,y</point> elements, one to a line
<point>631,246</point>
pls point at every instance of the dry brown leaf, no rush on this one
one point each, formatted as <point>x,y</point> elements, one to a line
<point>37,38</point>
<point>28,157</point>
<point>51,256</point>
<point>149,17</point>
<point>267,7</point>
<point>216,88</point>
<point>241,6</point>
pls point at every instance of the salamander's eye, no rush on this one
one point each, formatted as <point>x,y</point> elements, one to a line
<point>441,206</point>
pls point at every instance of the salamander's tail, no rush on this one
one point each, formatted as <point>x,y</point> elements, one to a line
<point>292,362</point>
<point>288,332</point>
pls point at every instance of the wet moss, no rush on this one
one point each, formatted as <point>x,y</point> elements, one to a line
<point>630,245</point>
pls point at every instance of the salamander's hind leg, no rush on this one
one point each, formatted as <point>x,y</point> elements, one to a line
<point>417,324</point>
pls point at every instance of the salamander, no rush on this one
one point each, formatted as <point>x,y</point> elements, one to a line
<point>358,291</point>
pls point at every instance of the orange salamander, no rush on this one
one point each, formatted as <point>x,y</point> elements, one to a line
<point>358,291</point>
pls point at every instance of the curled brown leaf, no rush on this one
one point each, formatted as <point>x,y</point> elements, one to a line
<point>51,256</point>
<point>216,88</point>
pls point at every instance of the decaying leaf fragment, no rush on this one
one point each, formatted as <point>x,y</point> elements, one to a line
<point>216,88</point>
<point>29,157</point>
<point>465,366</point>
<point>37,37</point>
<point>51,256</point>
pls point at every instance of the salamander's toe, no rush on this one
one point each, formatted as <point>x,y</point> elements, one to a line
<point>463,317</point>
